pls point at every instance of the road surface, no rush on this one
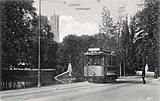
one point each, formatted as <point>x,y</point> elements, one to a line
<point>128,88</point>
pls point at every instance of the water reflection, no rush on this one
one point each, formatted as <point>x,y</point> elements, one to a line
<point>28,84</point>
<point>17,79</point>
<point>66,80</point>
<point>16,85</point>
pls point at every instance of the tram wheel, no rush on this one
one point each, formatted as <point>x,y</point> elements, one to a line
<point>113,78</point>
<point>110,78</point>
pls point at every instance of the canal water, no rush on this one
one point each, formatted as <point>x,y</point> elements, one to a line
<point>18,79</point>
<point>28,84</point>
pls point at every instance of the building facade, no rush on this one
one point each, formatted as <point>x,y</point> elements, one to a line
<point>54,22</point>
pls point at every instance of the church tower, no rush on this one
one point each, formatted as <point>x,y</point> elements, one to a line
<point>54,21</point>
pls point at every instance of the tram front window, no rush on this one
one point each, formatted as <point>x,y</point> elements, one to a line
<point>94,60</point>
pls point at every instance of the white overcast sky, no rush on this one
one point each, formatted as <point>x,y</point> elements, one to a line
<point>80,22</point>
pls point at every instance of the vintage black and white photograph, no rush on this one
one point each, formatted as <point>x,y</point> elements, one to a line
<point>79,50</point>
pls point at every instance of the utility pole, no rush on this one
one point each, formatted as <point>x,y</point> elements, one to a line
<point>159,54</point>
<point>0,47</point>
<point>121,15</point>
<point>119,61</point>
<point>39,47</point>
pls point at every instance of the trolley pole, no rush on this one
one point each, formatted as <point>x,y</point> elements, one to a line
<point>39,47</point>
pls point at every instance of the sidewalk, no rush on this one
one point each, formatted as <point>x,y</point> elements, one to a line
<point>138,78</point>
<point>148,74</point>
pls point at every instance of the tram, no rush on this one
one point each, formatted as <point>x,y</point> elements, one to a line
<point>100,65</point>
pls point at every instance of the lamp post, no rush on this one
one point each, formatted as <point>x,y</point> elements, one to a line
<point>39,47</point>
<point>0,60</point>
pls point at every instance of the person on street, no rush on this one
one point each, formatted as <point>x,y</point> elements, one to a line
<point>143,74</point>
<point>155,73</point>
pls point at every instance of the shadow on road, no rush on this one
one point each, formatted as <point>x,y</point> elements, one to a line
<point>119,82</point>
<point>129,81</point>
<point>132,80</point>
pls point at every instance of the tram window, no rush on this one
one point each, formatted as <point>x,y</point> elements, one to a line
<point>90,61</point>
<point>95,60</point>
<point>108,60</point>
<point>103,59</point>
<point>114,62</point>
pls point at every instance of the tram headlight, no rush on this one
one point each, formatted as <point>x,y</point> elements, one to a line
<point>93,73</point>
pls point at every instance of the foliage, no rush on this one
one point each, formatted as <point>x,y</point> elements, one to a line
<point>133,59</point>
<point>107,26</point>
<point>16,17</point>
<point>147,38</point>
<point>108,32</point>
<point>75,46</point>
<point>20,36</point>
<point>138,43</point>
<point>48,46</point>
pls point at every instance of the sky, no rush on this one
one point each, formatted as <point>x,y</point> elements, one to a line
<point>83,16</point>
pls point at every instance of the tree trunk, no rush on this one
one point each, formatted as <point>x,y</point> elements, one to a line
<point>120,70</point>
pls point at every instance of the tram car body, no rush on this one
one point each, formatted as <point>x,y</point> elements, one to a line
<point>100,65</point>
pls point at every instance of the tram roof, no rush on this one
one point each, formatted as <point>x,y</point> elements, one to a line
<point>97,51</point>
